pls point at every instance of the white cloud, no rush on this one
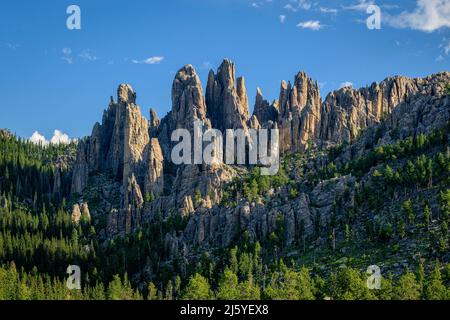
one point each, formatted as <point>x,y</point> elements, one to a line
<point>151,60</point>
<point>439,58</point>
<point>428,16</point>
<point>313,25</point>
<point>255,5</point>
<point>38,138</point>
<point>346,84</point>
<point>282,18</point>
<point>58,138</point>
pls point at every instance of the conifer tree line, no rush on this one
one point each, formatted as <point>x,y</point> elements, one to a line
<point>28,171</point>
<point>244,277</point>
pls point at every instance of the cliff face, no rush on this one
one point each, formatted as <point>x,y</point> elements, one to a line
<point>300,113</point>
<point>348,111</point>
<point>137,151</point>
<point>121,145</point>
<point>227,103</point>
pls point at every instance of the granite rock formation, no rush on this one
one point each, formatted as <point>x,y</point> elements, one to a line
<point>137,152</point>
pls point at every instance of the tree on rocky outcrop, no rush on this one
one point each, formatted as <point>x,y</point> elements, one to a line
<point>408,211</point>
<point>447,89</point>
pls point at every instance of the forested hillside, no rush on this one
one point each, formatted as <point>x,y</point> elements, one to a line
<point>398,219</point>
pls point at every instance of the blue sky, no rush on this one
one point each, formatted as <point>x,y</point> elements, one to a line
<point>55,78</point>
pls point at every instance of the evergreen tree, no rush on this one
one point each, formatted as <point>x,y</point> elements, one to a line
<point>228,288</point>
<point>435,289</point>
<point>197,289</point>
<point>152,292</point>
<point>408,211</point>
<point>407,288</point>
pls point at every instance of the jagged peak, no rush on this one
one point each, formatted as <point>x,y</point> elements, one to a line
<point>259,93</point>
<point>226,73</point>
<point>186,76</point>
<point>242,95</point>
<point>126,94</point>
<point>301,74</point>
<point>186,71</point>
<point>187,96</point>
<point>226,63</point>
<point>259,99</point>
<point>153,116</point>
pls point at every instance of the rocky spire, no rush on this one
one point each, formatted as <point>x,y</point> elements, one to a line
<point>136,139</point>
<point>242,95</point>
<point>153,123</point>
<point>285,91</point>
<point>188,103</point>
<point>81,169</point>
<point>300,112</point>
<point>125,94</point>
<point>227,104</point>
<point>154,179</point>
<point>133,203</point>
<point>263,110</point>
<point>117,144</point>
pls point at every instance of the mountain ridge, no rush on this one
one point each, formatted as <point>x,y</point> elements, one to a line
<point>363,180</point>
